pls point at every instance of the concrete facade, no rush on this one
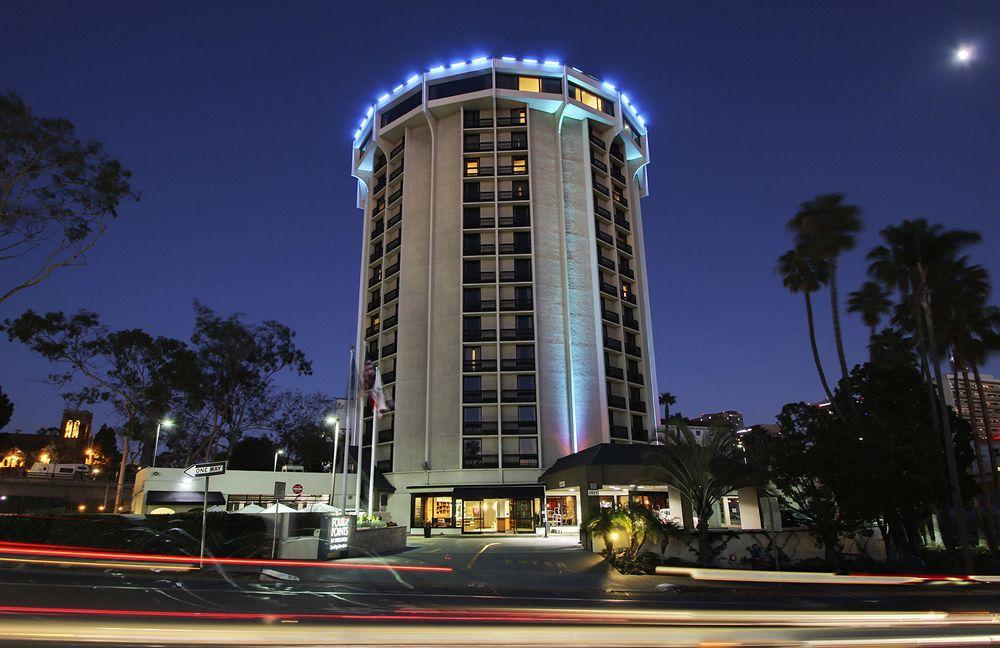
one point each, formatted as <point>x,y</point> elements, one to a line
<point>488,298</point>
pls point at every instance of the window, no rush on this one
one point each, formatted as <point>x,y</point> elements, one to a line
<point>400,109</point>
<point>72,430</point>
<point>592,100</point>
<point>529,84</point>
<point>472,167</point>
<point>472,325</point>
<point>519,165</point>
<point>526,414</point>
<point>473,447</point>
<point>460,86</point>
<point>527,446</point>
<point>523,322</point>
<point>472,414</point>
<point>525,352</point>
<point>525,383</point>
<point>472,384</point>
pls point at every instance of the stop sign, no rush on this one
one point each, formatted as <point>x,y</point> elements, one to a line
<point>297,489</point>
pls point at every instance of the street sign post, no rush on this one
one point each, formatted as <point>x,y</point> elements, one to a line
<point>205,470</point>
<point>279,494</point>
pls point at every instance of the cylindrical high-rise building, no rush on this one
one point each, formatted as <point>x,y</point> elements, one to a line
<point>503,284</point>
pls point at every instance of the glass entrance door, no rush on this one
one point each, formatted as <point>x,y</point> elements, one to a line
<point>472,516</point>
<point>524,519</point>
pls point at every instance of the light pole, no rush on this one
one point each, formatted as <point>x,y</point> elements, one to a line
<point>167,423</point>
<point>278,452</point>
<point>335,421</point>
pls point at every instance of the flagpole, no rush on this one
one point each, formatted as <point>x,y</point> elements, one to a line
<point>359,436</point>
<point>349,424</point>
<point>333,463</point>
<point>371,463</point>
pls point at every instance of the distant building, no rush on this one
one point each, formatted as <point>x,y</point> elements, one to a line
<point>727,418</point>
<point>70,443</point>
<point>991,420</point>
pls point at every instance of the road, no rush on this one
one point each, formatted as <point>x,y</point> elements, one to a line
<point>458,591</point>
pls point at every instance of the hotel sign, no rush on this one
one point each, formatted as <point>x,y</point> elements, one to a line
<point>337,533</point>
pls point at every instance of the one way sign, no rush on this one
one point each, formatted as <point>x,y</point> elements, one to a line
<point>206,469</point>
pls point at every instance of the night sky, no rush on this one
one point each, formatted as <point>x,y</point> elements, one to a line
<point>236,120</point>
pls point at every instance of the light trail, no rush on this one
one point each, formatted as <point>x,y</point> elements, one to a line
<point>117,565</point>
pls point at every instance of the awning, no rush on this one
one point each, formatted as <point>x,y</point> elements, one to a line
<point>526,491</point>
<point>184,497</point>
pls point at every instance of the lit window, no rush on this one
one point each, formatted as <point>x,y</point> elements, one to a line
<point>590,99</point>
<point>72,430</point>
<point>529,84</point>
<point>472,167</point>
<point>520,165</point>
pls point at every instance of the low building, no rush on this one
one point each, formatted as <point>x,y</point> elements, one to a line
<point>728,419</point>
<point>169,490</point>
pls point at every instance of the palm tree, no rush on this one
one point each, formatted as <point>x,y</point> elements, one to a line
<point>800,273</point>
<point>872,302</point>
<point>703,472</point>
<point>824,228</point>
<point>667,399</point>
<point>913,255</point>
<point>604,525</point>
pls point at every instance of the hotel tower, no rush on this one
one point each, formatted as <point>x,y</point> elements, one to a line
<point>503,288</point>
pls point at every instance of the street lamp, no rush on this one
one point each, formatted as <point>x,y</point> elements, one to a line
<point>278,452</point>
<point>167,423</point>
<point>335,422</point>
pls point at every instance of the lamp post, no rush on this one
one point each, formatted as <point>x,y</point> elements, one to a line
<point>278,452</point>
<point>167,423</point>
<point>335,422</point>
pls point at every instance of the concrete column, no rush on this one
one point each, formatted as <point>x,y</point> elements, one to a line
<point>680,509</point>
<point>749,509</point>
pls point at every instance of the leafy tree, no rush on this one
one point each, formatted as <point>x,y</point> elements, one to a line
<point>134,372</point>
<point>233,393</point>
<point>253,453</point>
<point>298,422</point>
<point>824,228</point>
<point>703,472</point>
<point>6,409</point>
<point>57,194</point>
<point>108,455</point>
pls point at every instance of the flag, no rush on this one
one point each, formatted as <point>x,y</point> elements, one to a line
<point>376,393</point>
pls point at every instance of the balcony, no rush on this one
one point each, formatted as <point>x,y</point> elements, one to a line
<point>618,198</point>
<point>515,144</point>
<point>635,377</point>
<point>606,262</point>
<point>631,323</point>
<point>614,372</point>
<point>393,244</point>
<point>478,122</point>
<point>597,163</point>
<point>383,465</point>
<point>379,186</point>
<point>621,222</point>
<point>637,405</point>
<point>517,364</point>
<point>626,271</point>
<point>479,250</point>
<point>478,196</point>
<point>514,120</point>
<point>480,461</point>
<point>374,280</point>
<point>511,170</point>
<point>602,212</point>
<point>396,151</point>
<point>481,365</point>
<point>514,195</point>
<point>517,220</point>
<point>478,172</point>
<point>516,304</point>
<point>389,377</point>
<point>629,297</point>
<point>395,195</point>
<point>481,396</point>
<point>374,304</point>
<point>474,147</point>
<point>617,175</point>
<point>520,461</point>
<point>598,142</point>
<point>604,236</point>
<point>609,289</point>
<point>480,335</point>
<point>514,248</point>
<point>619,432</point>
<point>377,230</point>
<point>633,350</point>
<point>388,350</point>
<point>602,188</point>
<point>616,401</point>
<point>390,322</point>
<point>391,270</point>
<point>508,334</point>
<point>480,428</point>
<point>385,435</point>
<point>520,427</point>
<point>624,247</point>
<point>379,165</point>
<point>610,316</point>
<point>517,395</point>
<point>474,222</point>
<point>513,276</point>
<point>375,255</point>
<point>480,306</point>
<point>391,295</point>
<point>617,154</point>
<point>379,208</point>
<point>372,330</point>
<point>479,277</point>
<point>612,343</point>
<point>394,220</point>
<point>396,173</point>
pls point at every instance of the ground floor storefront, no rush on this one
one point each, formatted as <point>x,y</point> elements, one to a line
<point>503,509</point>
